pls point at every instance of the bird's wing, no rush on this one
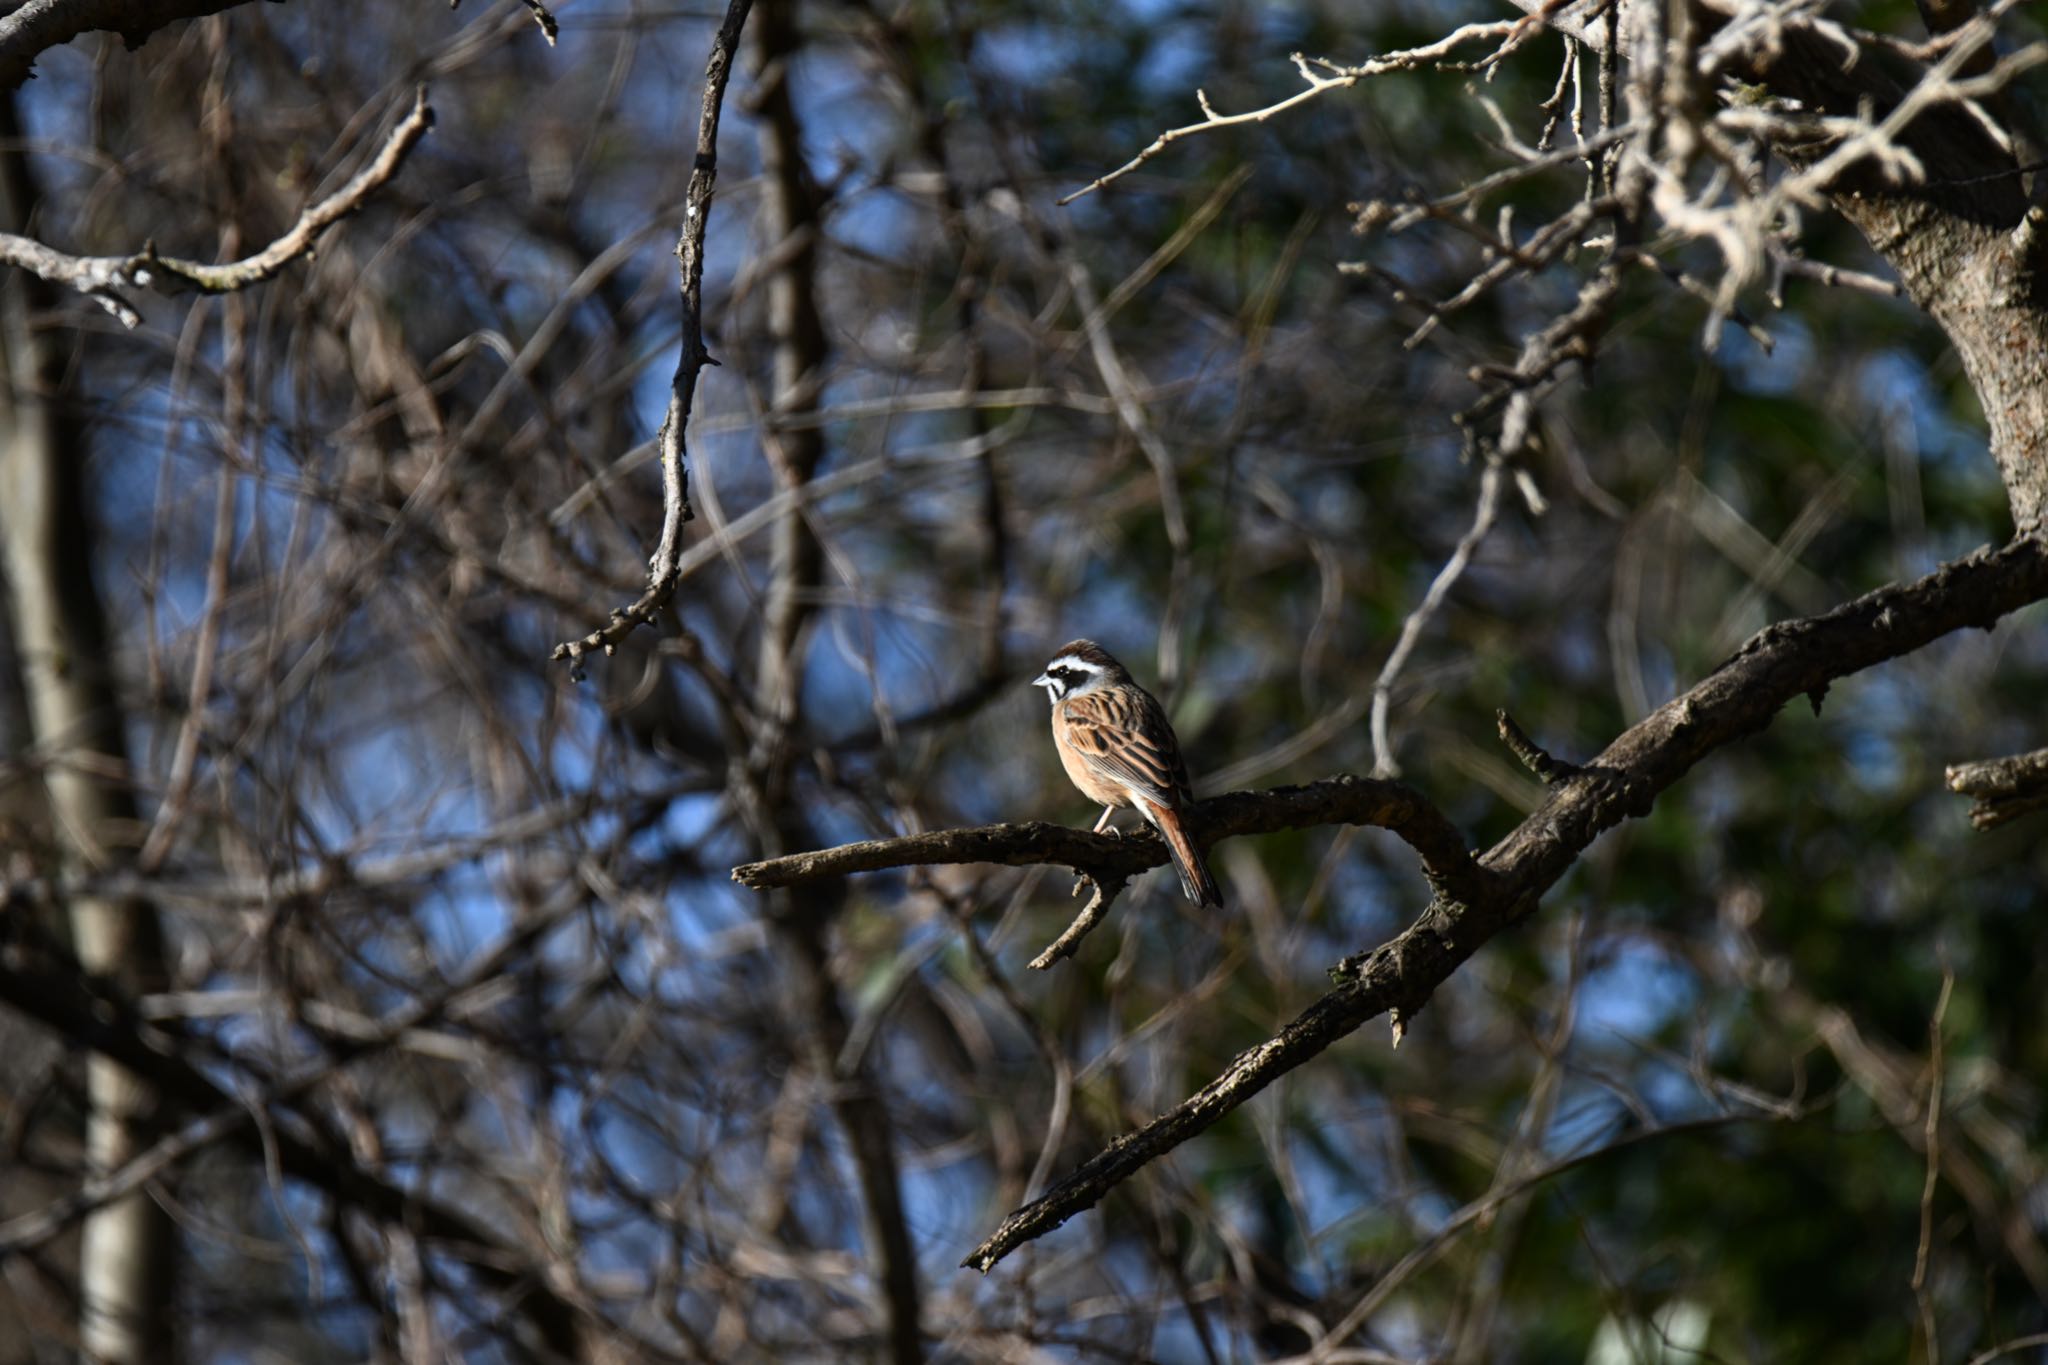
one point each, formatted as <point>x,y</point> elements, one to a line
<point>1122,734</point>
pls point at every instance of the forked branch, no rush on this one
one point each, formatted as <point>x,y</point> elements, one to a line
<point>1781,663</point>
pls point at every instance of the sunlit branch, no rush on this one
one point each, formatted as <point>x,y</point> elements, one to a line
<point>103,278</point>
<point>2004,788</point>
<point>1511,31</point>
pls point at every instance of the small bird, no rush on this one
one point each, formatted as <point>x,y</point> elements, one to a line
<point>1113,738</point>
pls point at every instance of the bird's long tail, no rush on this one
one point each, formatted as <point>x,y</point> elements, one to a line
<point>1195,881</point>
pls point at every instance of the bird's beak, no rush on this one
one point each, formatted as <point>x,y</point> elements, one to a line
<point>1042,680</point>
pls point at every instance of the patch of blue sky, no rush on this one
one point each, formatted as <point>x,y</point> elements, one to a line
<point>1671,1093</point>
<point>1884,703</point>
<point>1178,58</point>
<point>464,915</point>
<point>1633,989</point>
<point>326,1293</point>
<point>1786,368</point>
<point>1875,759</point>
<point>1892,378</point>
<point>714,920</point>
<point>874,655</point>
<point>640,1148</point>
<point>1030,53</point>
<point>1116,612</point>
<point>1659,671</point>
<point>692,819</point>
<point>1368,893</point>
<point>1337,1197</point>
<point>1714,794</point>
<point>129,445</point>
<point>1579,650</point>
<point>55,109</point>
<point>945,1205</point>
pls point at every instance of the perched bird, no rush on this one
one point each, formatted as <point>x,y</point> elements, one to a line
<point>1113,738</point>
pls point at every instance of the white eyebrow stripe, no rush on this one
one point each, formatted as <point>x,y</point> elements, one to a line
<point>1075,662</point>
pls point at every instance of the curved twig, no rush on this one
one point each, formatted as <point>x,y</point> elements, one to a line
<point>103,278</point>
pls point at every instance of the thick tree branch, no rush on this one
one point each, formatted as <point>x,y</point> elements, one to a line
<point>664,567</point>
<point>102,278</point>
<point>2004,788</point>
<point>1785,661</point>
<point>39,25</point>
<point>1109,862</point>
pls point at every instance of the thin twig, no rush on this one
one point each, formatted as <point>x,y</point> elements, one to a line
<point>1921,1294</point>
<point>1346,77</point>
<point>1383,765</point>
<point>1102,890</point>
<point>663,566</point>
<point>1533,757</point>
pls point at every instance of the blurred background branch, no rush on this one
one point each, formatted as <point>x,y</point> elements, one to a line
<point>377,991</point>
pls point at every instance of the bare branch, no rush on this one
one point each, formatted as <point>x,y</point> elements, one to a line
<point>663,566</point>
<point>39,25</point>
<point>1343,800</point>
<point>1931,1142</point>
<point>550,29</point>
<point>1782,662</point>
<point>102,278</point>
<point>1383,764</point>
<point>1101,891</point>
<point>1533,757</point>
<point>1343,77</point>
<point>2004,788</point>
<point>306,1147</point>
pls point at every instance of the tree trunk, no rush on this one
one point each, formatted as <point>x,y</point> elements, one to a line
<point>60,637</point>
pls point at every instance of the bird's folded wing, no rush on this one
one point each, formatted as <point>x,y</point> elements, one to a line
<point>1126,738</point>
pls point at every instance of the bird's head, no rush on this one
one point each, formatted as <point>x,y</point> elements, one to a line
<point>1080,666</point>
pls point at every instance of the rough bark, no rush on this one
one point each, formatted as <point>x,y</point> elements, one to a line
<point>39,25</point>
<point>2004,788</point>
